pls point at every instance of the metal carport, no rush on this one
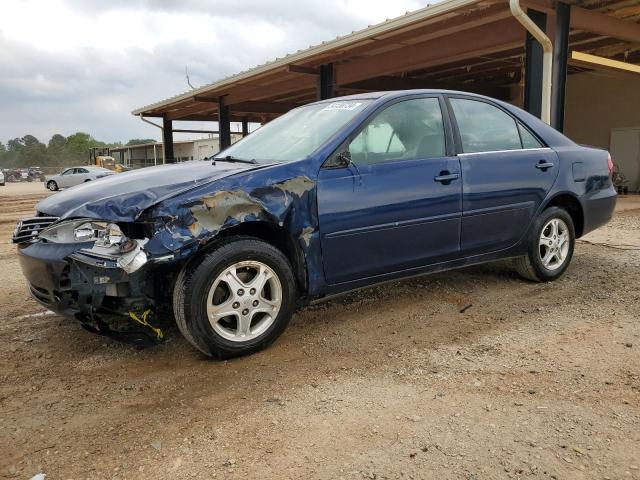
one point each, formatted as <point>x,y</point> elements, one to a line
<point>472,45</point>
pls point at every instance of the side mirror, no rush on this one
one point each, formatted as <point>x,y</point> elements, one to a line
<point>339,160</point>
<point>342,160</point>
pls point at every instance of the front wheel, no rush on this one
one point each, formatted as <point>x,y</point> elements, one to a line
<point>550,247</point>
<point>53,186</point>
<point>236,299</point>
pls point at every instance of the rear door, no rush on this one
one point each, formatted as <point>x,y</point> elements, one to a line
<point>397,205</point>
<point>506,174</point>
<point>82,175</point>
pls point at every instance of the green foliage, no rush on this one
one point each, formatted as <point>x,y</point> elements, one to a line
<point>60,151</point>
<point>139,141</point>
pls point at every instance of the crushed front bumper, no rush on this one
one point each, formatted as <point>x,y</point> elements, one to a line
<point>97,292</point>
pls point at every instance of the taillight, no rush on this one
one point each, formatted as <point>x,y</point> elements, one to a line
<point>610,165</point>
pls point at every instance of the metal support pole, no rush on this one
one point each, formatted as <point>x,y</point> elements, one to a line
<point>245,127</point>
<point>325,82</point>
<point>560,63</point>
<point>167,140</point>
<point>534,65</point>
<point>224,125</point>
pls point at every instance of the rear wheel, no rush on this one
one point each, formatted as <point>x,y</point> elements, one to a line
<point>51,185</point>
<point>236,299</point>
<point>550,247</point>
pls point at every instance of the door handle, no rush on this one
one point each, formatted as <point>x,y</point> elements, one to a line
<point>543,165</point>
<point>446,177</point>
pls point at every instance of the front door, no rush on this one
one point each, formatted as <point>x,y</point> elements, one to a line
<point>398,204</point>
<point>66,178</point>
<point>506,172</point>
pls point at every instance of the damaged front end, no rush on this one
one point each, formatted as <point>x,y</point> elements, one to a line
<point>112,262</point>
<point>94,271</point>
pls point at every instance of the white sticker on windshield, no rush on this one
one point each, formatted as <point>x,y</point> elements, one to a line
<point>342,106</point>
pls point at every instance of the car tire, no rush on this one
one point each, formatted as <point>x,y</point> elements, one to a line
<point>221,281</point>
<point>52,185</point>
<point>550,247</point>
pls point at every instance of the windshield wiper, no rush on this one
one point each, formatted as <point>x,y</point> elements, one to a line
<point>229,158</point>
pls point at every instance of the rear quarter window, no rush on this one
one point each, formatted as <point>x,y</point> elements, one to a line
<point>528,139</point>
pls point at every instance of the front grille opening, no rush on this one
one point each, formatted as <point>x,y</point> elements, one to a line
<point>29,228</point>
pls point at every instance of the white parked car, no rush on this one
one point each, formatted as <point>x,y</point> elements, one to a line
<point>75,176</point>
<point>1,179</point>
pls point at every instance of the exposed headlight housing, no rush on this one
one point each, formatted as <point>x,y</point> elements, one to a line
<point>104,234</point>
<point>108,241</point>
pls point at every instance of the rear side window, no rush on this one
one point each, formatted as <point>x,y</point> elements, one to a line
<point>408,130</point>
<point>528,140</point>
<point>484,128</point>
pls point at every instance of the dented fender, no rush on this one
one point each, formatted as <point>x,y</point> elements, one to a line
<point>283,197</point>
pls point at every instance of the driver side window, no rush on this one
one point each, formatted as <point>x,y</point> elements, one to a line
<point>408,130</point>
<point>68,172</point>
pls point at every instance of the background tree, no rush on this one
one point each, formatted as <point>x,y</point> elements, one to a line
<point>57,142</point>
<point>60,151</point>
<point>139,141</point>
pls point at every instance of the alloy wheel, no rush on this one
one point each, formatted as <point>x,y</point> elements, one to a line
<point>244,301</point>
<point>553,245</point>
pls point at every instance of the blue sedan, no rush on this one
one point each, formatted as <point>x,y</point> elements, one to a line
<point>331,197</point>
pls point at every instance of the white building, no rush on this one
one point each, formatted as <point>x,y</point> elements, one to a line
<point>149,154</point>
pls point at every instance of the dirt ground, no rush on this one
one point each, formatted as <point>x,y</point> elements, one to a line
<point>532,380</point>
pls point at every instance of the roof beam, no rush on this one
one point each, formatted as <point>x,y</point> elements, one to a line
<point>497,36</point>
<point>388,83</point>
<point>258,92</point>
<point>198,108</point>
<point>254,118</point>
<point>403,83</point>
<point>203,98</point>
<point>593,61</point>
<point>602,24</point>
<point>264,107</point>
<point>302,69</point>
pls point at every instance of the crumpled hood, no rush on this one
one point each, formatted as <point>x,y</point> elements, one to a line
<point>124,196</point>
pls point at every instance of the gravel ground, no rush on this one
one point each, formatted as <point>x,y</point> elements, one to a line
<point>532,380</point>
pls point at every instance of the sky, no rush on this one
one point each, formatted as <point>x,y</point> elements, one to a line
<point>84,65</point>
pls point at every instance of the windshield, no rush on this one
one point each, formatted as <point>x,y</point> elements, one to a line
<point>295,135</point>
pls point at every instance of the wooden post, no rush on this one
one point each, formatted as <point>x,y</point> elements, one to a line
<point>224,125</point>
<point>167,140</point>
<point>325,82</point>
